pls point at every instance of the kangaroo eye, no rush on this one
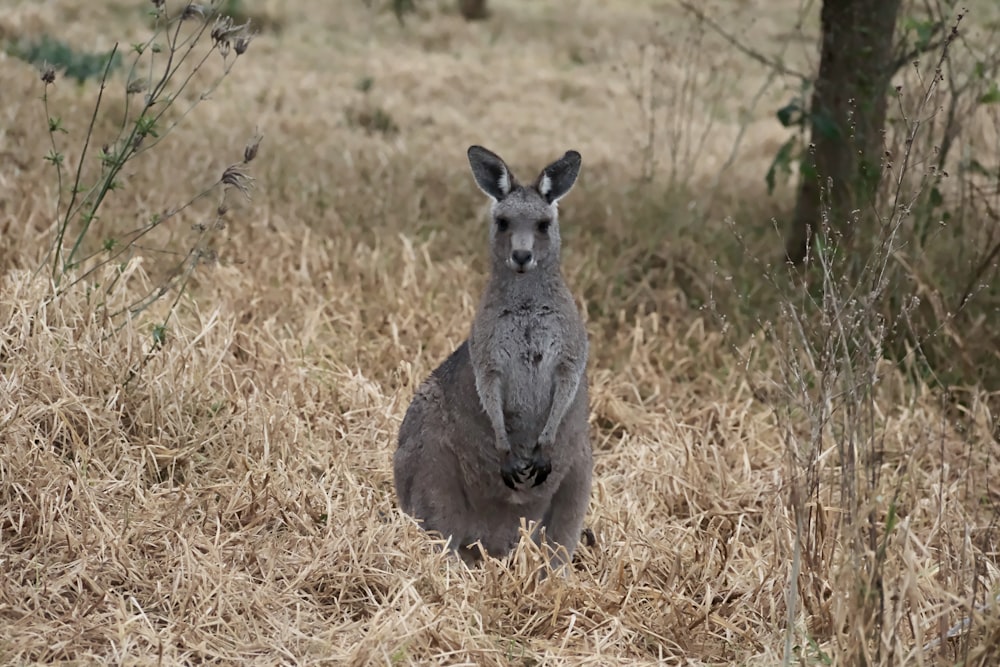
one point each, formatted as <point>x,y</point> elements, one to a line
<point>543,226</point>
<point>502,224</point>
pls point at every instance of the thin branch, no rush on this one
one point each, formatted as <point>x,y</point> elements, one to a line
<point>977,275</point>
<point>904,59</point>
<point>767,61</point>
<point>79,173</point>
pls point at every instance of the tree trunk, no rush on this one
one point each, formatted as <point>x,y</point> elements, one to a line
<point>847,116</point>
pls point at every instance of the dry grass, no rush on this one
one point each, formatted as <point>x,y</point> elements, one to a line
<point>234,504</point>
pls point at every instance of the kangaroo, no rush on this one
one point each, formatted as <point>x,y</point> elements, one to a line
<point>498,432</point>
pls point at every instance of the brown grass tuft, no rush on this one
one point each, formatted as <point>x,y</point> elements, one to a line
<point>233,502</point>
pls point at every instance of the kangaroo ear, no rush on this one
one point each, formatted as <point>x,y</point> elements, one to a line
<point>491,173</point>
<point>558,178</point>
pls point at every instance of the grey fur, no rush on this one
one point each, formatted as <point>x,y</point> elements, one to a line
<point>499,432</point>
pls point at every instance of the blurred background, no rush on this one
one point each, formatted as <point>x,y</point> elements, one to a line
<point>234,236</point>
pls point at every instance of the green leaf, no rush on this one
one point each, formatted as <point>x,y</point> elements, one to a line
<point>159,335</point>
<point>782,162</point>
<point>790,115</point>
<point>991,96</point>
<point>145,125</point>
<point>819,653</point>
<point>107,158</point>
<point>924,30</point>
<point>808,170</point>
<point>891,519</point>
<point>80,65</point>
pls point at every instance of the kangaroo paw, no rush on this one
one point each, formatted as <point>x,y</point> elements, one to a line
<point>540,467</point>
<point>515,471</point>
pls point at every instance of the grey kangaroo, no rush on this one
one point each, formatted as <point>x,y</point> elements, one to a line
<point>499,432</point>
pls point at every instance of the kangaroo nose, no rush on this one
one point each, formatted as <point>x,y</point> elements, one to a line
<point>521,257</point>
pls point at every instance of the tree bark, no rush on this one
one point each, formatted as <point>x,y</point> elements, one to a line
<point>846,120</point>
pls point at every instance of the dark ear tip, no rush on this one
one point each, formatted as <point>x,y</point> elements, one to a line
<point>573,156</point>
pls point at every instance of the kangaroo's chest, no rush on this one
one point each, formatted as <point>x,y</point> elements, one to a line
<point>529,342</point>
<point>529,348</point>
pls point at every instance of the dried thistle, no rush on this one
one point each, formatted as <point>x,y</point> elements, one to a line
<point>225,31</point>
<point>193,10</point>
<point>158,3</point>
<point>236,177</point>
<point>250,152</point>
<point>136,86</point>
<point>49,74</point>
<point>242,44</point>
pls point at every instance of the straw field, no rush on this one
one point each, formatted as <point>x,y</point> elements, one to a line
<point>216,486</point>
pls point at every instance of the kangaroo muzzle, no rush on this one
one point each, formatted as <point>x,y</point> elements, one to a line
<point>522,257</point>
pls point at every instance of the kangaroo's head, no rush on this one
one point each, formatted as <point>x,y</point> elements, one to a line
<point>524,232</point>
